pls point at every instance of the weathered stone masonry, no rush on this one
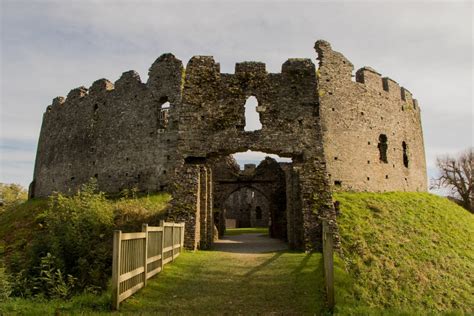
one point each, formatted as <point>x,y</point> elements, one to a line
<point>349,135</point>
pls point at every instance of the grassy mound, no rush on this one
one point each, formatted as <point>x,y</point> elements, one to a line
<point>404,253</point>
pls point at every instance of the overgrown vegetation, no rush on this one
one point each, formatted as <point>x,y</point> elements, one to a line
<point>404,253</point>
<point>11,195</point>
<point>62,246</point>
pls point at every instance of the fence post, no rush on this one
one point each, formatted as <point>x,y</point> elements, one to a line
<point>172,243</point>
<point>328,251</point>
<point>162,224</point>
<point>145,252</point>
<point>116,269</point>
<point>182,237</point>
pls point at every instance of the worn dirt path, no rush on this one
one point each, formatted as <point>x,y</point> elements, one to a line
<point>249,243</point>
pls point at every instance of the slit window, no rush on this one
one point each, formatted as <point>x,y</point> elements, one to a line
<point>383,146</point>
<point>405,154</point>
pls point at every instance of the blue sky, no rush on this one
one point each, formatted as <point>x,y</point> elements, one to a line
<point>48,48</point>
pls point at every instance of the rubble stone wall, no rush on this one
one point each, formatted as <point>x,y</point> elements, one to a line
<point>168,132</point>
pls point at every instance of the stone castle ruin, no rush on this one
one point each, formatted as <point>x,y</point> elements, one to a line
<point>176,132</point>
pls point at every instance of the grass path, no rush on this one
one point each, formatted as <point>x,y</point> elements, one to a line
<point>211,283</point>
<point>217,282</point>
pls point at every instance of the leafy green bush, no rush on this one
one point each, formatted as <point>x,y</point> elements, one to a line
<point>5,285</point>
<point>63,245</point>
<point>73,251</point>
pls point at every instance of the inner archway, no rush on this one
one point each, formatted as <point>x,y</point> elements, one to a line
<point>253,194</point>
<point>247,208</point>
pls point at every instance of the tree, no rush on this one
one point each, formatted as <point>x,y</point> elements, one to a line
<point>11,194</point>
<point>456,174</point>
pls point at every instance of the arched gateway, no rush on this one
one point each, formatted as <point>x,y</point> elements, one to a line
<point>171,132</point>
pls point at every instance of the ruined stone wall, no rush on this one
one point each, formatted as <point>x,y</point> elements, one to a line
<point>354,115</point>
<point>212,120</point>
<point>122,135</point>
<point>113,132</point>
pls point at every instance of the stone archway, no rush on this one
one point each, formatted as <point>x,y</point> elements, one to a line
<point>247,207</point>
<point>211,126</point>
<point>268,178</point>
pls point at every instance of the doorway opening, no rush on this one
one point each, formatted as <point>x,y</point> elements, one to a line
<point>251,194</point>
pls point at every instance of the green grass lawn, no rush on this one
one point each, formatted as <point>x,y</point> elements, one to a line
<point>249,230</point>
<point>212,282</point>
<point>209,283</point>
<point>404,253</point>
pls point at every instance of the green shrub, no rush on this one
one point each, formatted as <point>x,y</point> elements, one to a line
<point>5,286</point>
<point>73,250</point>
<point>63,246</point>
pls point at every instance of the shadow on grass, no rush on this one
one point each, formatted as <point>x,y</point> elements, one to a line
<point>249,244</point>
<point>264,264</point>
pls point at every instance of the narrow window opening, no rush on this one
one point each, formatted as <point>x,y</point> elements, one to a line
<point>368,162</point>
<point>252,117</point>
<point>163,115</point>
<point>405,154</point>
<point>368,178</point>
<point>96,175</point>
<point>338,183</point>
<point>96,107</point>
<point>386,176</point>
<point>258,212</point>
<point>383,146</point>
<point>335,158</point>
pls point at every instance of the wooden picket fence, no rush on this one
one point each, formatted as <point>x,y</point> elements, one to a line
<point>141,255</point>
<point>328,256</point>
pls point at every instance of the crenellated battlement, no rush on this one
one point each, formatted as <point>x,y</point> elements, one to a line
<point>374,80</point>
<point>170,69</point>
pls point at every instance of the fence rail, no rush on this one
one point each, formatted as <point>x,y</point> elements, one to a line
<point>140,255</point>
<point>328,256</point>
